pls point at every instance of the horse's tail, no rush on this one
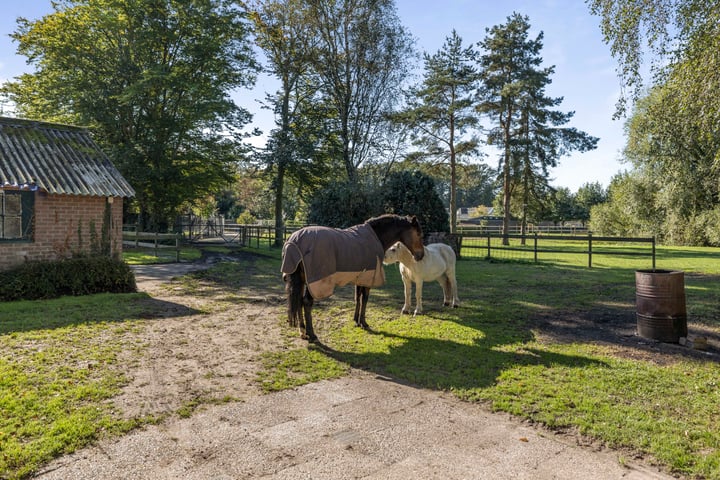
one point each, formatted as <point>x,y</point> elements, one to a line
<point>295,291</point>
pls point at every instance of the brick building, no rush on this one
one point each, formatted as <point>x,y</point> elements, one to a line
<point>59,194</point>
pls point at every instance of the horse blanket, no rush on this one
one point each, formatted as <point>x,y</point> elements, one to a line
<point>335,257</point>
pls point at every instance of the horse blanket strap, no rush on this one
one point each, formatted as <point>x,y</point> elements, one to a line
<point>334,257</point>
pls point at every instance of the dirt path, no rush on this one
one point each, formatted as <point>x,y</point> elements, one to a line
<point>205,349</point>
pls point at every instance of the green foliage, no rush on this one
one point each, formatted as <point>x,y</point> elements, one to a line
<point>529,133</point>
<point>341,205</point>
<point>665,30</point>
<point>72,276</point>
<point>673,142</point>
<point>587,196</point>
<point>414,193</point>
<point>246,218</point>
<point>672,191</point>
<point>152,80</point>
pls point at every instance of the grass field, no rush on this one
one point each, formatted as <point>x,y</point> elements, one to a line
<point>59,364</point>
<point>493,350</point>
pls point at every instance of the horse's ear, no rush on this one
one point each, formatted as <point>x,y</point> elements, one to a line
<point>415,221</point>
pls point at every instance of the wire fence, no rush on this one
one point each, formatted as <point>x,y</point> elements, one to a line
<point>556,248</point>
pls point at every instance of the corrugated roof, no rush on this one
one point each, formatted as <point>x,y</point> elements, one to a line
<point>59,159</point>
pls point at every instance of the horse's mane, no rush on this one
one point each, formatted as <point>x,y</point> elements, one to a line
<point>388,218</point>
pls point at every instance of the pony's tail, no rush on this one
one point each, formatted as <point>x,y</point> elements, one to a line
<point>294,289</point>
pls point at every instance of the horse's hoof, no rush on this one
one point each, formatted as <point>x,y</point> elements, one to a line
<point>447,304</point>
<point>405,312</point>
<point>310,338</point>
<point>456,305</point>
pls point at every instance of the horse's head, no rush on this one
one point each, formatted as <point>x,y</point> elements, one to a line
<point>391,228</point>
<point>412,238</point>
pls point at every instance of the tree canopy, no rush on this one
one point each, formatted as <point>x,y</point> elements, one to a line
<point>529,133</point>
<point>440,110</point>
<point>673,130</point>
<point>153,80</point>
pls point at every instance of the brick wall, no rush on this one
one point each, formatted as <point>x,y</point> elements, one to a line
<point>65,225</point>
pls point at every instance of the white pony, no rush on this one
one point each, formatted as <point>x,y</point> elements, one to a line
<point>437,264</point>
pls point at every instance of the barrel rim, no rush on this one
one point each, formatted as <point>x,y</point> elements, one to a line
<point>659,271</point>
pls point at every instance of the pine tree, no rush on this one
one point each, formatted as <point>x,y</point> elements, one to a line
<point>440,110</point>
<point>524,126</point>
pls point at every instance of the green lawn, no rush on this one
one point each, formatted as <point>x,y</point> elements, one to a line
<point>490,350</point>
<point>59,358</point>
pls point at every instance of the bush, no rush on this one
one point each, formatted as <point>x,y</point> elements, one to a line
<point>72,276</point>
<point>414,193</point>
<point>344,204</point>
<point>341,205</point>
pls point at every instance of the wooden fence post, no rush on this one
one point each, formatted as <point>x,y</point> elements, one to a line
<point>589,249</point>
<point>653,252</point>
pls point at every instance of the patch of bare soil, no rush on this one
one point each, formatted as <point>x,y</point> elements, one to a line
<point>616,327</point>
<point>197,348</point>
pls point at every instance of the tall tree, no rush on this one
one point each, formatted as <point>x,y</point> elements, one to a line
<point>362,58</point>
<point>441,109</point>
<point>281,31</point>
<point>503,68</point>
<point>587,196</point>
<point>666,31</point>
<point>529,133</point>
<point>153,80</point>
<point>673,135</point>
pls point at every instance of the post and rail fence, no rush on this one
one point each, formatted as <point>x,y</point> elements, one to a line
<point>470,242</point>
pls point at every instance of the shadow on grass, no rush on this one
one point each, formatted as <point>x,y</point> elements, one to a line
<point>509,314</point>
<point>25,316</point>
<point>449,365</point>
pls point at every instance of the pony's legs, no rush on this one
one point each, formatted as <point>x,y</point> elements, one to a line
<point>407,284</point>
<point>361,299</point>
<point>452,284</point>
<point>306,330</point>
<point>418,296</point>
<point>446,285</point>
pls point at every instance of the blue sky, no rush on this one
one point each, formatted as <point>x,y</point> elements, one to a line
<point>584,69</point>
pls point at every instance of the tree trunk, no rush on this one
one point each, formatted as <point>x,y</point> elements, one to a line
<point>279,220</point>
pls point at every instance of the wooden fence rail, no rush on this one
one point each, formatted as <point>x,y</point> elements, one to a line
<point>589,245</point>
<point>154,241</point>
<point>471,242</point>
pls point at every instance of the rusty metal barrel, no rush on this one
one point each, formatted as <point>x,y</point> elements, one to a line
<point>660,302</point>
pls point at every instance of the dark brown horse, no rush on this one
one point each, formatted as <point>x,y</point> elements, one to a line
<point>316,259</point>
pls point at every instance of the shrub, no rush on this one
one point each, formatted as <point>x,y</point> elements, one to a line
<point>414,193</point>
<point>341,205</point>
<point>344,204</point>
<point>72,276</point>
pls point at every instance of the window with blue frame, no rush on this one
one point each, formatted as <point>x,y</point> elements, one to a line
<point>17,208</point>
